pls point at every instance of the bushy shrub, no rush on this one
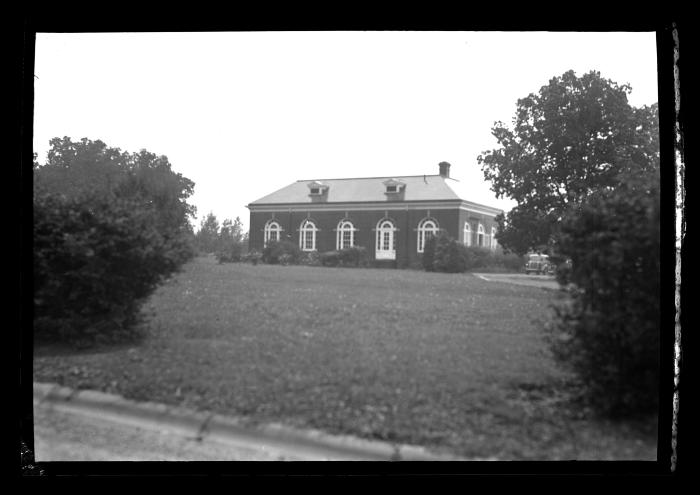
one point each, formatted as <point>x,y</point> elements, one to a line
<point>230,252</point>
<point>608,332</point>
<point>96,259</point>
<point>330,258</point>
<point>563,273</point>
<point>479,257</point>
<point>490,260</point>
<point>428,256</point>
<point>253,257</point>
<point>310,258</point>
<point>353,256</point>
<point>284,250</point>
<point>450,256</point>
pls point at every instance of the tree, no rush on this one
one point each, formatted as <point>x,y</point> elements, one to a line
<point>229,246</point>
<point>207,237</point>
<point>89,169</point>
<point>108,228</point>
<point>576,136</point>
<point>232,231</point>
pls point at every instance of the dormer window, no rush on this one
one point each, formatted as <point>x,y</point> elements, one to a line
<point>317,188</point>
<point>393,186</point>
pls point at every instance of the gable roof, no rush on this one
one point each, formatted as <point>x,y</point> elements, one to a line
<point>365,189</point>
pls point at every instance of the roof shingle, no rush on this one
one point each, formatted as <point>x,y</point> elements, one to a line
<point>367,189</point>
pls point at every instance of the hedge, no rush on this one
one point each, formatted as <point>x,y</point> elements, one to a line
<point>96,259</point>
<point>608,331</point>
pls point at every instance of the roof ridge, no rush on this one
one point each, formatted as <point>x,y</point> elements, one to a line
<point>379,177</point>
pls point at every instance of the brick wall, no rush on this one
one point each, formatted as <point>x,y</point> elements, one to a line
<point>474,219</point>
<point>406,221</point>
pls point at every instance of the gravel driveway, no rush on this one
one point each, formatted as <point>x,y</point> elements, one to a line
<point>543,281</point>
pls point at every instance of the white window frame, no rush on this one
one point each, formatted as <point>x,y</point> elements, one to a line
<point>494,242</point>
<point>423,229</point>
<point>307,227</point>
<point>467,234</point>
<point>345,226</point>
<point>385,226</point>
<point>481,236</point>
<point>270,227</point>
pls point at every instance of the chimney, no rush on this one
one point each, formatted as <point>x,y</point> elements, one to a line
<point>444,169</point>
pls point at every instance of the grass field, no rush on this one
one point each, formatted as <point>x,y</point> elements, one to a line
<point>451,362</point>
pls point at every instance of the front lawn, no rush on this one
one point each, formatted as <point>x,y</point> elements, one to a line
<point>451,362</point>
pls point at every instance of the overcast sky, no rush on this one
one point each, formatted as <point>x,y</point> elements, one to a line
<point>245,114</point>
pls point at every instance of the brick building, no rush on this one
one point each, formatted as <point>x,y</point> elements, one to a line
<point>389,216</point>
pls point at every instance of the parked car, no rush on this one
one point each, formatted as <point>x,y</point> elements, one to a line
<point>539,264</point>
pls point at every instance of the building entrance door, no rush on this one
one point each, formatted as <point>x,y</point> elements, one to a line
<point>386,241</point>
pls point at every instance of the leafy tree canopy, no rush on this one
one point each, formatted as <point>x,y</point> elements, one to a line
<point>208,234</point>
<point>232,231</point>
<point>576,136</point>
<point>89,168</point>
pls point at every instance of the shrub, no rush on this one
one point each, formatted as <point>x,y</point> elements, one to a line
<point>274,250</point>
<point>330,258</point>
<point>310,258</point>
<point>450,256</point>
<point>479,258</point>
<point>96,259</point>
<point>429,253</point>
<point>485,259</point>
<point>253,257</point>
<point>229,252</point>
<point>353,256</point>
<point>608,332</point>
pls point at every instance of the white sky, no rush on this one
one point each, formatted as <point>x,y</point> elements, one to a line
<point>244,114</point>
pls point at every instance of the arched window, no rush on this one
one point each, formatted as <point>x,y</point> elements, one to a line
<point>386,240</point>
<point>494,242</point>
<point>480,235</point>
<point>307,236</point>
<point>273,232</point>
<point>426,228</point>
<point>346,235</point>
<point>467,234</point>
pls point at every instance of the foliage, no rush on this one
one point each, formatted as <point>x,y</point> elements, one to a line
<point>281,251</point>
<point>231,252</point>
<point>608,332</point>
<point>310,258</point>
<point>575,137</point>
<point>330,258</point>
<point>95,261</point>
<point>489,260</point>
<point>450,256</point>
<point>429,253</point>
<point>354,256</point>
<point>108,227</point>
<point>207,237</point>
<point>232,230</point>
<point>230,241</point>
<point>90,168</point>
<point>253,257</point>
<point>444,254</point>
